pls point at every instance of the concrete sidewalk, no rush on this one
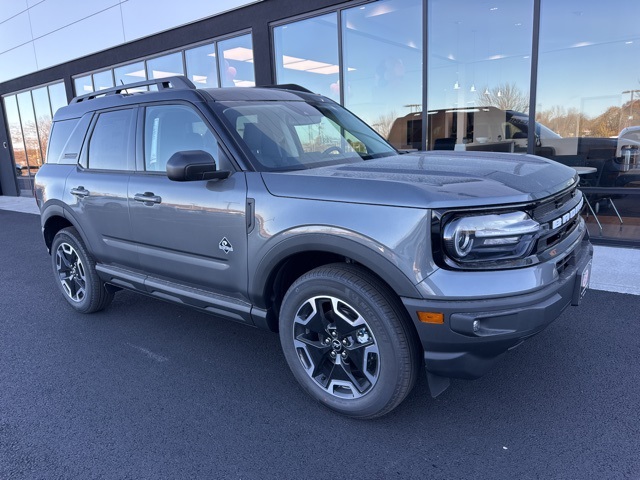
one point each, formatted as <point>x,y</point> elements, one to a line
<point>614,269</point>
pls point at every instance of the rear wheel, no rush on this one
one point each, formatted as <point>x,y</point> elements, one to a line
<point>347,341</point>
<point>76,275</point>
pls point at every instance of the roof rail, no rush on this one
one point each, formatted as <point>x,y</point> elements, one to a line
<point>288,86</point>
<point>177,82</point>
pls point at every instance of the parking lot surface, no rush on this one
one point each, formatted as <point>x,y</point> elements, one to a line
<point>146,389</point>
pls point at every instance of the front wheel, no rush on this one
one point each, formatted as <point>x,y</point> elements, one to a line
<point>75,273</point>
<point>347,341</point>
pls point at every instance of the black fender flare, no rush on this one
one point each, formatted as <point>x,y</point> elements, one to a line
<point>56,208</point>
<point>339,245</point>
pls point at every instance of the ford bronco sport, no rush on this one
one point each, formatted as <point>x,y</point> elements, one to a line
<point>278,208</point>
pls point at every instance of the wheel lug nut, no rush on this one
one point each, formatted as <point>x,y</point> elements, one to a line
<point>345,342</point>
<point>333,354</point>
<point>327,341</point>
<point>344,354</point>
<point>334,333</point>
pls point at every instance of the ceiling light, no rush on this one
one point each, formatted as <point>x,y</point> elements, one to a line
<point>241,54</point>
<point>473,87</point>
<point>456,86</point>
<point>244,83</point>
<point>381,10</point>
<point>161,74</point>
<point>137,73</point>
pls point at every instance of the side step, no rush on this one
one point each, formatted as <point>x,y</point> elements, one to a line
<point>202,300</point>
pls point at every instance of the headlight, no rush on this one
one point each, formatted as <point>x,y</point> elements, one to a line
<point>490,238</point>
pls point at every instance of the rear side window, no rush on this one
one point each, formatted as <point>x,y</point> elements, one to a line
<point>111,143</point>
<point>64,147</point>
<point>60,134</point>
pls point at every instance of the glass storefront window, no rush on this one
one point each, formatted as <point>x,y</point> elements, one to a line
<point>236,62</point>
<point>306,53</point>
<point>30,132</point>
<point>57,96</point>
<point>589,94</point>
<point>202,67</point>
<point>479,75</point>
<point>103,80</point>
<point>15,134</point>
<point>83,85</point>
<point>382,55</point>
<point>132,73</point>
<point>165,66</point>
<point>43,116</point>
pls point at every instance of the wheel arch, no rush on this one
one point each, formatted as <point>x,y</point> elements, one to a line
<point>297,255</point>
<point>55,217</point>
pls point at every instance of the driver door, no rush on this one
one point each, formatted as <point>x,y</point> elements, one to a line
<point>192,233</point>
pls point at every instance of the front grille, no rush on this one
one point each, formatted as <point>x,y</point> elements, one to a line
<point>555,209</point>
<point>548,207</point>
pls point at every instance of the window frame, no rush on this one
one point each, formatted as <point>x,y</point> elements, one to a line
<point>83,157</point>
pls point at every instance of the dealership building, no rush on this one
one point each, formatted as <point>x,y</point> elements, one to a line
<point>470,75</point>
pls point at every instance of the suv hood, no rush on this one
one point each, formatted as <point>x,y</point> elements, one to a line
<point>429,180</point>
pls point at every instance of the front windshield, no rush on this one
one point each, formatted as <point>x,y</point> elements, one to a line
<point>295,135</point>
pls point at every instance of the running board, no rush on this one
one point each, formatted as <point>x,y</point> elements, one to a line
<point>202,300</point>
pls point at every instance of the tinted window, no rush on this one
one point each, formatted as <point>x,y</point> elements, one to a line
<point>59,136</point>
<point>174,128</point>
<point>110,144</point>
<point>72,148</point>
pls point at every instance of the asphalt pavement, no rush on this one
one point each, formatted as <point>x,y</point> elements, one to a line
<point>151,390</point>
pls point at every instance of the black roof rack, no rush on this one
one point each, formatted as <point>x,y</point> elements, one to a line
<point>177,82</point>
<point>288,86</point>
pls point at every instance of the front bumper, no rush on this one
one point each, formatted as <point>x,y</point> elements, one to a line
<point>462,348</point>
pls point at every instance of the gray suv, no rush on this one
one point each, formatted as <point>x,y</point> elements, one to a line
<point>278,208</point>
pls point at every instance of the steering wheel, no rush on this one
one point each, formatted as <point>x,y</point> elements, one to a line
<point>333,150</point>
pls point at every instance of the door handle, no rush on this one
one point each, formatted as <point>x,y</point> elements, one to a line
<point>80,192</point>
<point>148,198</point>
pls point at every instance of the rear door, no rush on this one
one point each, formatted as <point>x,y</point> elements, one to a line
<point>96,190</point>
<point>193,233</point>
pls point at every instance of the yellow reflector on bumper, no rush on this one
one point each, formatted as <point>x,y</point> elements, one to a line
<point>431,317</point>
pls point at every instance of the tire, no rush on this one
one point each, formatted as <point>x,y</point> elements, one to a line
<point>347,341</point>
<point>75,273</point>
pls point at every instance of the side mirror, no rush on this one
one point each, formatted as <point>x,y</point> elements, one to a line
<point>193,165</point>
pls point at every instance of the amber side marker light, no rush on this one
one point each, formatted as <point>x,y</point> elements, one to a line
<point>431,317</point>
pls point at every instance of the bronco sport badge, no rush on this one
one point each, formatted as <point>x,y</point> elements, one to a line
<point>225,245</point>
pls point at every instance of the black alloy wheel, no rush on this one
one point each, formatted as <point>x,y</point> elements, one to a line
<point>348,341</point>
<point>76,275</point>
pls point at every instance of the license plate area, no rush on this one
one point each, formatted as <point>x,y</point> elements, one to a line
<point>583,277</point>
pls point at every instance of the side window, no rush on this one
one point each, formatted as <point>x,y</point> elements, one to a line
<point>60,133</point>
<point>110,146</point>
<point>174,128</point>
<point>71,149</point>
